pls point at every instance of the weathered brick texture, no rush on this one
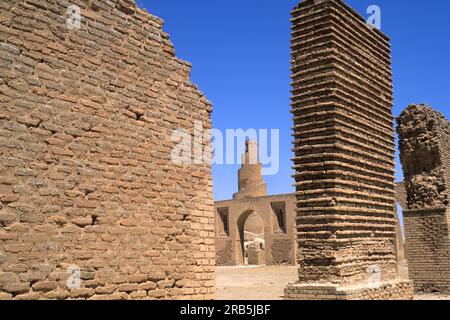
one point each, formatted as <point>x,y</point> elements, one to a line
<point>424,138</point>
<point>280,246</point>
<point>86,117</point>
<point>344,156</point>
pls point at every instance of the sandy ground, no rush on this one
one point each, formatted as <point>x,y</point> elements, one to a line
<point>253,282</point>
<point>268,283</point>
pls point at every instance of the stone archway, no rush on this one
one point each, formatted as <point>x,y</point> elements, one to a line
<point>251,238</point>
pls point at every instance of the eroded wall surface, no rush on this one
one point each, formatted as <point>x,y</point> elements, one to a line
<point>424,139</point>
<point>86,177</point>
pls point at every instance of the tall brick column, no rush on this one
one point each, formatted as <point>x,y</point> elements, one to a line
<point>424,136</point>
<point>344,156</point>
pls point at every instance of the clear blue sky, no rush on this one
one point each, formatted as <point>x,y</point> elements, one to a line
<point>241,59</point>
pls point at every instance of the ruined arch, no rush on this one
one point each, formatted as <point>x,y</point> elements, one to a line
<point>279,246</point>
<point>253,223</point>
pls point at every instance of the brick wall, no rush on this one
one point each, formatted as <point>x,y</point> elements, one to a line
<point>424,136</point>
<point>427,249</point>
<point>86,181</point>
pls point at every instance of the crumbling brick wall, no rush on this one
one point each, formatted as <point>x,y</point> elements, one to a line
<point>424,139</point>
<point>224,250</point>
<point>86,177</point>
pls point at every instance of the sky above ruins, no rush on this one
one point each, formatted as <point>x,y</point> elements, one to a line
<point>241,60</point>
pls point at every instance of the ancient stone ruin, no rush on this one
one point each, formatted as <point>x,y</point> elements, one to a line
<point>250,181</point>
<point>95,204</point>
<point>424,140</point>
<point>344,156</point>
<point>253,218</point>
<point>87,185</point>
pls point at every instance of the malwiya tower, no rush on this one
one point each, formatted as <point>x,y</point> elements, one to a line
<point>344,156</point>
<point>251,183</point>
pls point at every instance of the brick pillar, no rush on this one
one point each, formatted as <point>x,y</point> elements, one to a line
<point>424,138</point>
<point>344,156</point>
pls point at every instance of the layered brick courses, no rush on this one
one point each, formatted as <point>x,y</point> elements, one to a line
<point>86,178</point>
<point>344,155</point>
<point>424,140</point>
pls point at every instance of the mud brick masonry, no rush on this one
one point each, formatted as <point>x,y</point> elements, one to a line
<point>233,216</point>
<point>344,156</point>
<point>86,178</point>
<point>424,140</point>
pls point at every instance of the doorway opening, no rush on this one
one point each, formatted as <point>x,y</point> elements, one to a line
<point>252,242</point>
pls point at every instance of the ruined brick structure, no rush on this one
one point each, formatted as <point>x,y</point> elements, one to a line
<point>344,156</point>
<point>424,140</point>
<point>86,177</point>
<point>277,213</point>
<point>232,215</point>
